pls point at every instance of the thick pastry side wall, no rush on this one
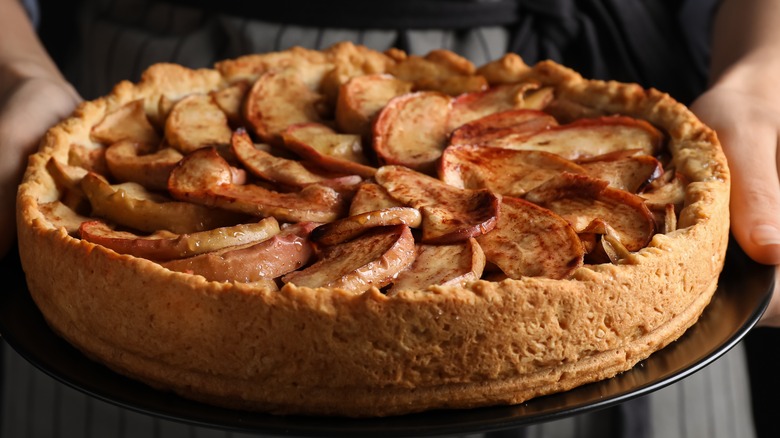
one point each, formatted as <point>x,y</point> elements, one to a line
<point>330,352</point>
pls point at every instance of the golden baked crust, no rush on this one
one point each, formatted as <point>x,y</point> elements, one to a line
<point>289,351</point>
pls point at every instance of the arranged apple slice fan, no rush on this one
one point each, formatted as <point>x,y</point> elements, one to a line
<point>401,183</point>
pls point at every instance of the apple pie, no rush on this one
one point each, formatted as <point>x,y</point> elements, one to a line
<point>355,233</point>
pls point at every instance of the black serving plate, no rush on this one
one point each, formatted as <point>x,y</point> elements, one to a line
<point>742,296</point>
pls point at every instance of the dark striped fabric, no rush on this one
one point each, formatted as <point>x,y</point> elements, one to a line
<point>632,40</point>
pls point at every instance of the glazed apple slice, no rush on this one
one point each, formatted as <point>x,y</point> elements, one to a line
<point>269,167</point>
<point>449,214</point>
<point>63,216</point>
<point>129,161</point>
<point>89,158</point>
<point>411,130</point>
<point>164,245</point>
<point>441,71</point>
<point>271,258</point>
<point>128,122</point>
<point>349,227</point>
<point>504,171</point>
<point>530,241</point>
<point>279,99</point>
<point>132,206</point>
<point>204,177</point>
<point>472,106</point>
<point>590,137</point>
<point>371,197</point>
<point>371,260</point>
<point>669,189</point>
<point>361,98</point>
<point>443,265</point>
<point>521,123</point>
<point>196,122</point>
<point>624,170</point>
<point>581,199</point>
<point>328,149</point>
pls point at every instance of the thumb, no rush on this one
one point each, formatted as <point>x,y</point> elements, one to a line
<point>755,192</point>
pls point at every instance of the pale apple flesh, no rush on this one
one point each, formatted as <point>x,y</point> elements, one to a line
<point>371,197</point>
<point>472,106</point>
<point>590,137</point>
<point>328,149</point>
<point>531,241</point>
<point>128,122</point>
<point>266,260</point>
<point>361,98</point>
<point>445,265</point>
<point>130,205</point>
<point>627,172</point>
<point>449,214</point>
<point>162,246</point>
<point>411,130</point>
<point>349,227</point>
<point>371,260</point>
<point>196,122</point>
<point>128,162</point>
<point>581,199</point>
<point>205,178</point>
<point>504,171</point>
<point>521,123</point>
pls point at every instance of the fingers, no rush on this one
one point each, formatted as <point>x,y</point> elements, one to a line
<point>755,194</point>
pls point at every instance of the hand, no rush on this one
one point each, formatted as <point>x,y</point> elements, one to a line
<point>747,120</point>
<point>28,107</point>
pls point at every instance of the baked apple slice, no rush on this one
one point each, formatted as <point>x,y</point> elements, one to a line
<point>443,265</point>
<point>164,245</point>
<point>472,106</point>
<point>266,260</point>
<point>128,122</point>
<point>581,199</point>
<point>624,170</point>
<point>361,98</point>
<point>204,177</point>
<point>328,149</point>
<point>504,171</point>
<point>129,161</point>
<point>669,189</point>
<point>520,122</point>
<point>441,71</point>
<point>63,216</point>
<point>230,100</point>
<point>196,122</point>
<point>590,137</point>
<point>132,206</point>
<point>371,197</point>
<point>411,130</point>
<point>531,241</point>
<point>277,100</point>
<point>349,227</point>
<point>449,214</point>
<point>371,260</point>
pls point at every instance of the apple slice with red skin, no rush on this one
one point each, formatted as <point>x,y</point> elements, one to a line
<point>590,137</point>
<point>371,197</point>
<point>196,122</point>
<point>503,171</point>
<point>624,170</point>
<point>443,265</point>
<point>580,199</point>
<point>472,106</point>
<point>328,149</point>
<point>449,214</point>
<point>128,122</point>
<point>531,241</point>
<point>371,260</point>
<point>162,246</point>
<point>361,98</point>
<point>347,228</point>
<point>129,161</point>
<point>271,258</point>
<point>279,99</point>
<point>204,177</point>
<point>521,123</point>
<point>130,205</point>
<point>411,130</point>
